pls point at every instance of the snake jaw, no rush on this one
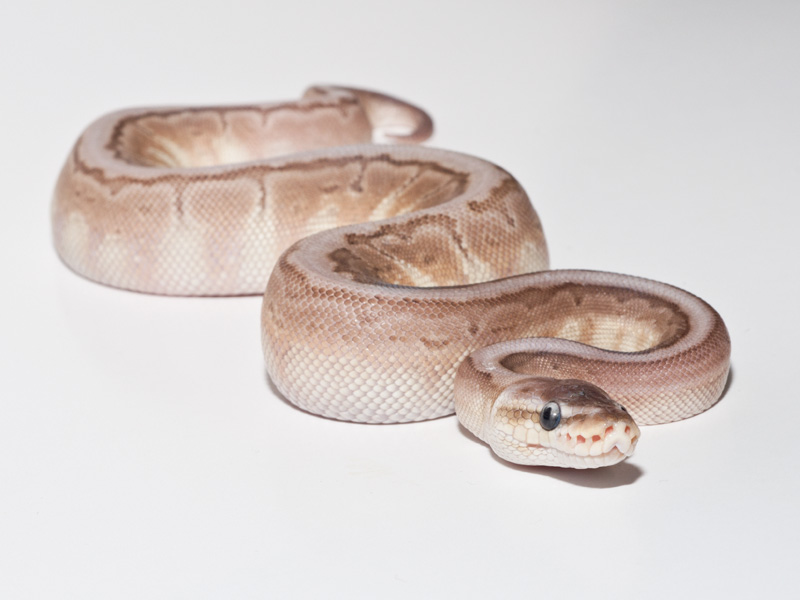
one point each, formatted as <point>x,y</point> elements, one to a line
<point>601,439</point>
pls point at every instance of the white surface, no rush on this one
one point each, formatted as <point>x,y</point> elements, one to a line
<point>142,453</point>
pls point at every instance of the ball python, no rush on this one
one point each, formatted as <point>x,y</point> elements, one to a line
<point>401,282</point>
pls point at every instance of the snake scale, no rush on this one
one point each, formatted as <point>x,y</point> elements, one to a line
<point>402,282</point>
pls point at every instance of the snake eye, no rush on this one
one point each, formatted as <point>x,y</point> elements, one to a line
<point>550,416</point>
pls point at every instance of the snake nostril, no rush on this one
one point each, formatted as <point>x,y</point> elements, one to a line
<point>627,430</point>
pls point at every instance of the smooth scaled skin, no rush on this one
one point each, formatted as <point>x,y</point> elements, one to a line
<point>400,282</point>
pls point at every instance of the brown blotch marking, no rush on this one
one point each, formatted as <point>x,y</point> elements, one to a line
<point>159,120</point>
<point>429,343</point>
<point>427,187</point>
<point>550,309</point>
<point>347,262</point>
<point>405,231</point>
<point>417,242</point>
<point>259,171</point>
<point>496,202</point>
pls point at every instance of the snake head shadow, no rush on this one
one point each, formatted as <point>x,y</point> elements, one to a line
<point>560,423</point>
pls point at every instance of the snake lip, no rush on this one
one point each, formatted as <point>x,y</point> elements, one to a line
<point>615,441</point>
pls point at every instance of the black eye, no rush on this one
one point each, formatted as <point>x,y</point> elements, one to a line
<point>550,416</point>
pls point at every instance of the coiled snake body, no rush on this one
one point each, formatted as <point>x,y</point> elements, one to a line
<point>401,281</point>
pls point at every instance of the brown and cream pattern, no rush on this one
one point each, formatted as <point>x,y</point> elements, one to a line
<point>402,282</point>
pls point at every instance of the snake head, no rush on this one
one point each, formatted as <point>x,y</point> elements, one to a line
<point>561,423</point>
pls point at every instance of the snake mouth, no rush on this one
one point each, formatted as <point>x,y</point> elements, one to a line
<point>599,444</point>
<point>620,437</point>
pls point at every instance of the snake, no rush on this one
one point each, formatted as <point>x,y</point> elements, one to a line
<point>400,282</point>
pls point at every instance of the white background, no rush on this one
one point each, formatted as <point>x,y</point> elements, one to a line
<point>142,452</point>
